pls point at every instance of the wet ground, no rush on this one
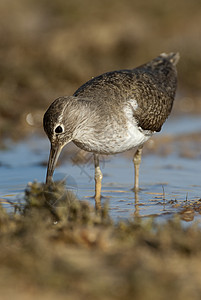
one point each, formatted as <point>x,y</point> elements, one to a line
<point>169,173</point>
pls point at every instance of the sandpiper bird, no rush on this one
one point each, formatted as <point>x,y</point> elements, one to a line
<point>113,112</point>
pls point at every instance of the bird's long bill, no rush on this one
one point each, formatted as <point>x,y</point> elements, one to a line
<point>55,150</point>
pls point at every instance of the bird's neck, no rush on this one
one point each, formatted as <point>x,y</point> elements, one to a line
<point>84,117</point>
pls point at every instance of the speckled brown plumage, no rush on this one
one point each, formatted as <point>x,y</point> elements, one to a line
<point>152,85</point>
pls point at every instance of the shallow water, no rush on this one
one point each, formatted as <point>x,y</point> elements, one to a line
<point>163,179</point>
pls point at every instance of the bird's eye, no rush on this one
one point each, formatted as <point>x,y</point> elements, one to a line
<point>58,129</point>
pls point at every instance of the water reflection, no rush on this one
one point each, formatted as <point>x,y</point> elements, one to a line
<point>165,181</point>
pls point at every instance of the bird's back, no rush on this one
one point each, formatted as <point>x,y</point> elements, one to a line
<point>152,85</point>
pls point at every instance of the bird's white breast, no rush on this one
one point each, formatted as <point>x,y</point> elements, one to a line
<point>135,135</point>
<point>131,136</point>
<point>114,136</point>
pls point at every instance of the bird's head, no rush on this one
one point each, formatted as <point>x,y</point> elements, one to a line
<point>58,123</point>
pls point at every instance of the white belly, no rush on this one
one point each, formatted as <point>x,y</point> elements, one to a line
<point>113,136</point>
<point>114,141</point>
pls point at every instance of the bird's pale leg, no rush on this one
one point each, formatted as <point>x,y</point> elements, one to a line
<point>137,161</point>
<point>98,179</point>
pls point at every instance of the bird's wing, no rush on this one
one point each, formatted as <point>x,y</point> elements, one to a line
<point>155,88</point>
<point>152,85</point>
<point>154,102</point>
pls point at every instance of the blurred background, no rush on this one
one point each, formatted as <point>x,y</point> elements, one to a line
<point>49,48</point>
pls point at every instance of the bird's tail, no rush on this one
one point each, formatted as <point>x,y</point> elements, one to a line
<point>162,62</point>
<point>172,57</point>
<point>163,65</point>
